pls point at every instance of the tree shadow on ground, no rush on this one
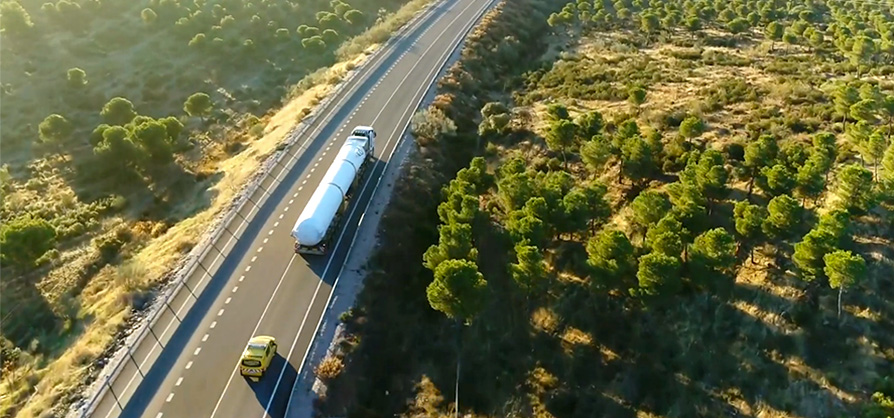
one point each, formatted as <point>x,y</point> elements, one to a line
<point>29,320</point>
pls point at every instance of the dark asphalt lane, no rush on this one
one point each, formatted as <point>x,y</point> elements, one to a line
<point>262,287</point>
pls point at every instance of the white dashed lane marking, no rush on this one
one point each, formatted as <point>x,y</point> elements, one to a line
<point>281,215</point>
<point>213,324</point>
<point>179,381</point>
<point>188,365</point>
<point>286,209</point>
<point>235,288</point>
<point>159,415</point>
<point>265,240</point>
<point>198,350</point>
<point>254,258</point>
<point>296,194</point>
<point>291,201</point>
<point>260,249</point>
<point>275,224</point>
<point>171,396</point>
<point>227,302</point>
<point>220,312</point>
<point>248,269</point>
<point>205,338</point>
<point>270,232</point>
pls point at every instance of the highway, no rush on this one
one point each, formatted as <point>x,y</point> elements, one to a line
<point>262,287</point>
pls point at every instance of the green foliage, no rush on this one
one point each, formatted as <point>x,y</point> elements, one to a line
<point>454,242</point>
<point>784,213</point>
<point>148,15</point>
<point>844,268</point>
<point>692,127</point>
<point>14,19</point>
<point>648,208</point>
<point>611,255</point>
<point>777,180</point>
<point>198,105</point>
<point>658,276</point>
<point>55,129</point>
<point>25,239</point>
<point>590,124</point>
<point>749,221</point>
<point>854,189</point>
<point>595,153</point>
<point>118,111</point>
<point>636,95</point>
<point>77,78</point>
<point>529,272</point>
<point>667,236</point>
<point>429,124</point>
<point>561,136</point>
<point>458,289</point>
<point>712,259</point>
<point>637,159</point>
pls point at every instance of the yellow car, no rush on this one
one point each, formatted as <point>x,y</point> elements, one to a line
<point>257,357</point>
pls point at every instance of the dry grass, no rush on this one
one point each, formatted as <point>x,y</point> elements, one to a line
<point>105,302</point>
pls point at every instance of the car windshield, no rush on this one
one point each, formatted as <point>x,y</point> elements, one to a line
<point>251,363</point>
<point>256,347</point>
<point>359,132</point>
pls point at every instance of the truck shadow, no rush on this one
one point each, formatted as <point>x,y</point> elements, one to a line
<point>266,390</point>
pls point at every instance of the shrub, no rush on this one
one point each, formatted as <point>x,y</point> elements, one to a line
<point>329,368</point>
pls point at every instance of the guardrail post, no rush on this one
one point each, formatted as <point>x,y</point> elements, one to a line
<point>112,391</point>
<point>168,305</point>
<point>186,281</point>
<point>140,371</point>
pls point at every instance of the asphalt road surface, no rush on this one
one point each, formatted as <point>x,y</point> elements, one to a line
<point>263,287</point>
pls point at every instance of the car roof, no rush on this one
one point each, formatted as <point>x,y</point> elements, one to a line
<point>257,345</point>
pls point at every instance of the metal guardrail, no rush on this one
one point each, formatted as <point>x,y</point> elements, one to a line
<point>191,262</point>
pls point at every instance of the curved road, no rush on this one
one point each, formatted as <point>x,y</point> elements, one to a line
<point>262,286</point>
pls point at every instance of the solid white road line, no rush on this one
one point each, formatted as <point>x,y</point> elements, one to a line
<point>365,185</point>
<point>258,325</point>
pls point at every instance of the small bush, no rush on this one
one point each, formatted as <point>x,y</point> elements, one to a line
<point>329,368</point>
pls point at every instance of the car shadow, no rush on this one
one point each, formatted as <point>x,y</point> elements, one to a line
<point>267,391</point>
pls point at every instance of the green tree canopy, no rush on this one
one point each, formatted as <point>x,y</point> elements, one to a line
<point>667,236</point>
<point>55,129</point>
<point>749,220</point>
<point>454,242</point>
<point>854,189</point>
<point>658,275</point>
<point>784,214</point>
<point>844,269</point>
<point>118,111</point>
<point>198,105</point>
<point>458,289</point>
<point>25,239</point>
<point>648,208</point>
<point>76,77</point>
<point>14,19</point>
<point>713,259</point>
<point>612,258</point>
<point>529,272</point>
<point>692,127</point>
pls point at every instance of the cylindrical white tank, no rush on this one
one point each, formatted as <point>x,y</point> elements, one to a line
<point>323,205</point>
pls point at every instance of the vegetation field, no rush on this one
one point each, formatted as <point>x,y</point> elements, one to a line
<point>641,209</point>
<point>127,127</point>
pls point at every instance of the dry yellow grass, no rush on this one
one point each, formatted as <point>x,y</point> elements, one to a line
<point>107,298</point>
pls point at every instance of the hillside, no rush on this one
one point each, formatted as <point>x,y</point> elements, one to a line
<point>127,128</point>
<point>641,209</point>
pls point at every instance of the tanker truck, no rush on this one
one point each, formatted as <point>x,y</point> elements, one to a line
<point>314,227</point>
